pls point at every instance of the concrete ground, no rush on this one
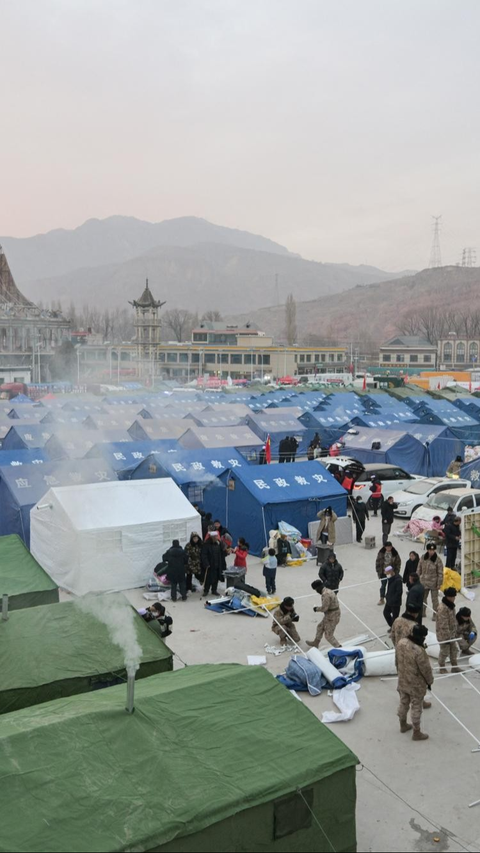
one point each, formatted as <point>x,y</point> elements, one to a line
<point>412,796</point>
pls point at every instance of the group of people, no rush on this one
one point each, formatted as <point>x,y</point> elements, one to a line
<point>287,449</point>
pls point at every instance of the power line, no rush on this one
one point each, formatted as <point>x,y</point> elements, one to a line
<point>435,253</point>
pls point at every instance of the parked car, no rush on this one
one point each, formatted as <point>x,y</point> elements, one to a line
<point>392,477</point>
<point>462,501</point>
<point>417,493</point>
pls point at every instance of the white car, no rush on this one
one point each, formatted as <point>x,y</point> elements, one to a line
<point>462,501</point>
<point>392,478</point>
<point>418,492</point>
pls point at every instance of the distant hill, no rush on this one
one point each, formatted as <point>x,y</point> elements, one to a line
<point>119,238</point>
<point>205,276</point>
<point>375,309</point>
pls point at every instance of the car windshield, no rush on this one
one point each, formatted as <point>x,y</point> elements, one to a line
<point>442,500</point>
<point>419,487</point>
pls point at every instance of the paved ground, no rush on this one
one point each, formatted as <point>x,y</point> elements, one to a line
<point>411,796</point>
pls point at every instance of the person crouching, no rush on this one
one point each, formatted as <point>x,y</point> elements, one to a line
<point>283,621</point>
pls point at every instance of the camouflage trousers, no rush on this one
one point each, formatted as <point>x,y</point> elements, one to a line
<point>434,594</point>
<point>286,634</point>
<point>327,627</point>
<point>448,650</point>
<point>414,703</point>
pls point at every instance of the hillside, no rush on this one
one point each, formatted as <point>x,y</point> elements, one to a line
<point>116,239</point>
<point>375,309</point>
<point>204,276</point>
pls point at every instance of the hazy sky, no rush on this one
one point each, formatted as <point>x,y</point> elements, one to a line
<point>336,127</point>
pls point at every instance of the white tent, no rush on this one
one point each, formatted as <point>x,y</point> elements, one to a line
<point>109,536</point>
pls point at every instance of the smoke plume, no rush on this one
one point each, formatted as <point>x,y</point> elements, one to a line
<point>115,612</point>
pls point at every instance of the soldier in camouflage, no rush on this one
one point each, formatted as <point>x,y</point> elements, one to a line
<point>415,677</point>
<point>447,631</point>
<point>283,621</point>
<point>402,627</point>
<point>466,630</point>
<point>331,608</point>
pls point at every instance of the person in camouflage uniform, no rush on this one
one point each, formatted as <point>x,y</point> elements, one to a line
<point>447,630</point>
<point>402,626</point>
<point>430,572</point>
<point>331,608</point>
<point>415,676</point>
<point>283,621</point>
<point>466,630</point>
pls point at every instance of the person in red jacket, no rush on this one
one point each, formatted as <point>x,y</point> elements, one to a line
<point>241,554</point>
<point>376,490</point>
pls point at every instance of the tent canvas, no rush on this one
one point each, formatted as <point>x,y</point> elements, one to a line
<point>23,437</point>
<point>264,424</point>
<point>131,770</point>
<point>255,499</point>
<point>16,458</point>
<point>396,448</point>
<point>21,488</point>
<point>22,578</point>
<point>157,428</point>
<point>240,437</point>
<point>107,537</point>
<point>59,650</point>
<point>124,458</point>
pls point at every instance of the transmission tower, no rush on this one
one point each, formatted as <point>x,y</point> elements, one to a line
<point>435,254</point>
<point>469,257</point>
<point>277,295</point>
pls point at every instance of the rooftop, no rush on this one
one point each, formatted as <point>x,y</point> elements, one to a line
<point>408,341</point>
<point>146,300</point>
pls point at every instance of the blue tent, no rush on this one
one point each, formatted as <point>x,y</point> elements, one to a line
<point>22,398</point>
<point>23,437</point>
<point>70,444</point>
<point>191,470</point>
<point>396,448</point>
<point>471,471</point>
<point>15,458</point>
<point>155,429</point>
<point>442,445</point>
<point>241,437</point>
<point>263,424</point>
<point>123,458</point>
<point>330,427</point>
<point>20,489</point>
<point>214,419</point>
<point>253,500</point>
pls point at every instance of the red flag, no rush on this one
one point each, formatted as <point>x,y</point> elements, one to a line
<point>439,386</point>
<point>268,450</point>
<point>364,386</point>
<point>470,386</point>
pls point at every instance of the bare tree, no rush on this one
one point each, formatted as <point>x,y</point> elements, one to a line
<point>180,322</point>
<point>212,316</point>
<point>409,323</point>
<point>290,320</point>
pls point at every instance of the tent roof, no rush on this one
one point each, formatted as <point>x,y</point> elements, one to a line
<point>124,503</point>
<point>122,764</point>
<point>17,458</point>
<point>271,484</point>
<point>20,573</point>
<point>241,436</point>
<point>29,483</point>
<point>195,466</point>
<point>275,423</point>
<point>124,456</point>
<point>59,641</point>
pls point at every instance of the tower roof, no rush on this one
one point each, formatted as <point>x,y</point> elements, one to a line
<point>9,291</point>
<point>146,300</point>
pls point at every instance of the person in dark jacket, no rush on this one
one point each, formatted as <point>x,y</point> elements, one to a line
<point>388,514</point>
<point>177,562</point>
<point>283,549</point>
<point>452,541</point>
<point>293,449</point>
<point>393,598</point>
<point>331,573</point>
<point>360,514</point>
<point>262,456</point>
<point>194,560</point>
<point>449,518</point>
<point>283,449</point>
<point>387,556</point>
<point>411,567</point>
<point>415,595</point>
<point>213,562</point>
<point>206,522</point>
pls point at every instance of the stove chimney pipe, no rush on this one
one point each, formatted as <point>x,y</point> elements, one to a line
<point>130,693</point>
<point>4,607</point>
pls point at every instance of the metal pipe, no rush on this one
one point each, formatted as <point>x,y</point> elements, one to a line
<point>4,607</point>
<point>130,693</point>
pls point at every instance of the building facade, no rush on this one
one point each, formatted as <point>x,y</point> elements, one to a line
<point>457,352</point>
<point>408,351</point>
<point>28,335</point>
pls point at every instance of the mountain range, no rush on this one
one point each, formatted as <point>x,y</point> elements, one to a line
<point>191,263</point>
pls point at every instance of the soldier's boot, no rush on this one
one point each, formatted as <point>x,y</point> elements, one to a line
<point>442,670</point>
<point>404,726</point>
<point>418,735</point>
<point>312,643</point>
<point>434,617</point>
<point>426,705</point>
<point>457,669</point>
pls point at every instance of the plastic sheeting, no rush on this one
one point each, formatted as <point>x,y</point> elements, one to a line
<point>347,703</point>
<point>109,536</point>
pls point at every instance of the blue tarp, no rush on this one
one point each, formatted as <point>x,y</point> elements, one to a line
<point>396,448</point>
<point>20,489</point>
<point>258,497</point>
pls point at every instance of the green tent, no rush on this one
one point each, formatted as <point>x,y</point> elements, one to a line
<point>214,758</point>
<point>22,578</point>
<point>59,650</point>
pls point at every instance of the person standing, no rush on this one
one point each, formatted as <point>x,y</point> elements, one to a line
<point>206,522</point>
<point>455,467</point>
<point>348,481</point>
<point>393,596</point>
<point>403,625</point>
<point>270,571</point>
<point>331,610</point>
<point>387,556</point>
<point>176,560</point>
<point>376,494</point>
<point>449,517</point>
<point>452,540</point>
<point>415,677</point>
<point>326,528</point>
<point>331,572</point>
<point>283,549</point>
<point>283,622</point>
<point>360,514</point>
<point>262,456</point>
<point>447,631</point>
<point>193,551</point>
<point>415,595</point>
<point>293,449</point>
<point>411,566</point>
<point>388,513</point>
<point>240,561</point>
<point>430,572</point>
<point>213,562</point>
<point>282,449</point>
<point>466,630</point>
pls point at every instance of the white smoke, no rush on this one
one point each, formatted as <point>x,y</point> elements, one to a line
<point>115,612</point>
